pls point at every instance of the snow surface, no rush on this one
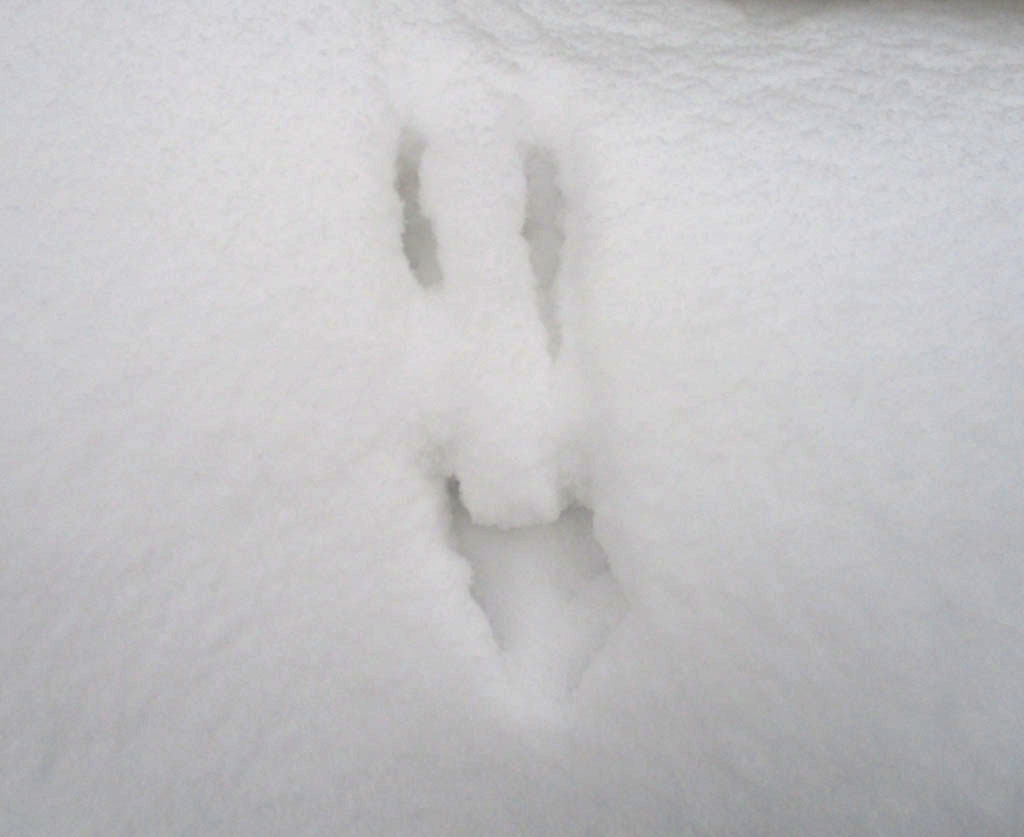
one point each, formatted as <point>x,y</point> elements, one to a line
<point>717,304</point>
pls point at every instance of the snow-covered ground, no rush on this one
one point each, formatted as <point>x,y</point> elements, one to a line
<point>512,418</point>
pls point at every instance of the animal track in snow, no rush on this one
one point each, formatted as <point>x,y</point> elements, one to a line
<point>547,591</point>
<point>419,243</point>
<point>543,229</point>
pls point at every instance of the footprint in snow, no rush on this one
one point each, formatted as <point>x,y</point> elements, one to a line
<point>547,590</point>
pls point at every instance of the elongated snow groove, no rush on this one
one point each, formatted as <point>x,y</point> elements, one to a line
<point>419,243</point>
<point>543,229</point>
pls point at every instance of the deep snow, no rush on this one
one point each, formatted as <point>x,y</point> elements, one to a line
<point>716,305</point>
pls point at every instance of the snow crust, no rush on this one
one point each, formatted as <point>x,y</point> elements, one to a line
<point>713,310</point>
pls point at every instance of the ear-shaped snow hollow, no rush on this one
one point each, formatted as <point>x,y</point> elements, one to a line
<point>544,231</point>
<point>419,243</point>
<point>547,591</point>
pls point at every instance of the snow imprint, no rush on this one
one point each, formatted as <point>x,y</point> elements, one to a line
<point>419,243</point>
<point>547,591</point>
<point>546,588</point>
<point>543,229</point>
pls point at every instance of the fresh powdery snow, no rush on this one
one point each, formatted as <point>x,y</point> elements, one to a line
<point>490,417</point>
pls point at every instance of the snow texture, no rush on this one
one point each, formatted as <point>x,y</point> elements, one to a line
<point>484,417</point>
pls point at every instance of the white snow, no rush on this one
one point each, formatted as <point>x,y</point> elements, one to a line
<point>713,310</point>
<point>548,593</point>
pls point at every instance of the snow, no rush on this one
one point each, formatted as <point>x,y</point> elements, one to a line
<point>548,593</point>
<point>486,417</point>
